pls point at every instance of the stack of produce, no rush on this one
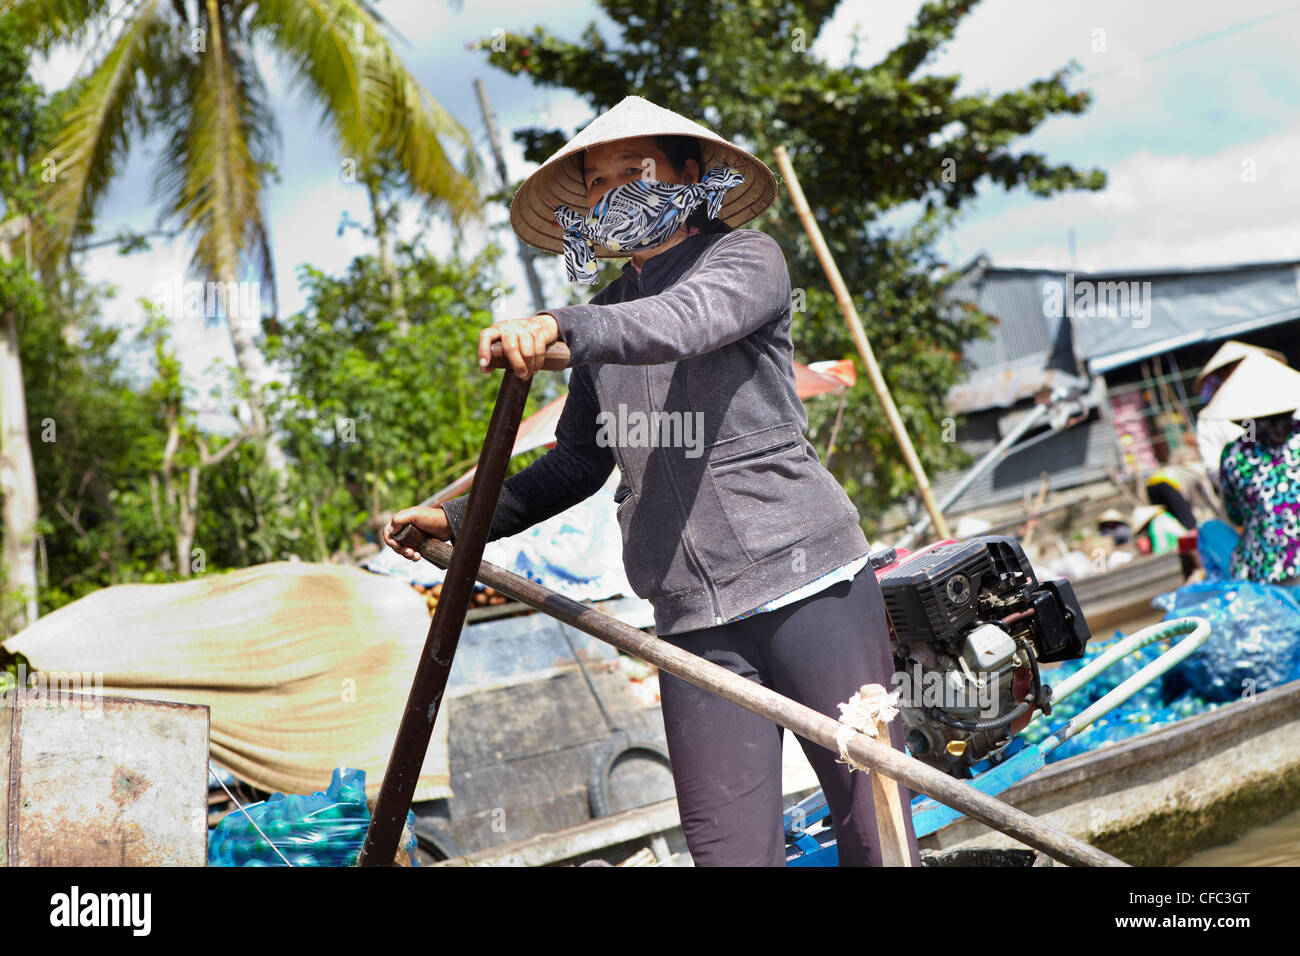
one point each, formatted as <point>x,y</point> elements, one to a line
<point>482,596</point>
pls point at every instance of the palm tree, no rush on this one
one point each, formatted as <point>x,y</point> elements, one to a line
<point>186,67</point>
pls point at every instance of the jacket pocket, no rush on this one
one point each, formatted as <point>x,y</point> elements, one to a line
<point>774,497</point>
<point>750,456</point>
<point>646,557</point>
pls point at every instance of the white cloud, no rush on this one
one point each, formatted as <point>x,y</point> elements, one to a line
<point>1164,211</point>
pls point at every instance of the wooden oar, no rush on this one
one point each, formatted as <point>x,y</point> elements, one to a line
<point>430,682</point>
<point>802,720</point>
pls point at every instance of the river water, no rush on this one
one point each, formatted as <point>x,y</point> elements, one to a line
<point>1273,844</point>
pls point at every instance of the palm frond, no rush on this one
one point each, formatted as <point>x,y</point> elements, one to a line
<point>211,173</point>
<point>44,23</point>
<point>337,54</point>
<point>315,41</point>
<point>418,127</point>
<point>95,134</point>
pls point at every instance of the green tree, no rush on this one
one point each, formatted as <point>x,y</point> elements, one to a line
<point>864,141</point>
<point>123,469</point>
<point>379,417</point>
<point>188,70</point>
<point>24,116</point>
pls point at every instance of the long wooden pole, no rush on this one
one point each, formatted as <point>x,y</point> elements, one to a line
<point>802,720</point>
<point>860,339</point>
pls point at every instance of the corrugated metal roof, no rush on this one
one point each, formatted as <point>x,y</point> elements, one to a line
<point>1005,386</point>
<point>1023,331</point>
<point>1030,339</point>
<point>1118,317</point>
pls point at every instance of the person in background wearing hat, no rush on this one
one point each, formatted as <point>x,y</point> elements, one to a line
<point>1155,530</point>
<point>749,551</point>
<point>1213,433</point>
<point>1170,487</point>
<point>1114,527</point>
<point>1260,471</point>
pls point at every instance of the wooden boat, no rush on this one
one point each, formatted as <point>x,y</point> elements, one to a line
<point>1151,800</point>
<point>1157,798</point>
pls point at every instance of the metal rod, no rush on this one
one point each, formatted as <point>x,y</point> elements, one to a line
<point>994,455</point>
<point>802,720</point>
<point>430,682</point>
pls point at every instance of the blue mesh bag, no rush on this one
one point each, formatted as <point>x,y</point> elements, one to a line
<point>1254,641</point>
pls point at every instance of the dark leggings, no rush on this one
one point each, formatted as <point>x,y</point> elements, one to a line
<point>727,760</point>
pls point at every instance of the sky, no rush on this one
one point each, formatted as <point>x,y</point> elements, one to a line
<point>1195,118</point>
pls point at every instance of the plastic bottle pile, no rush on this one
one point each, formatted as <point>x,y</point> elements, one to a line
<point>323,829</point>
<point>1254,645</point>
<point>1160,703</point>
<point>1254,641</point>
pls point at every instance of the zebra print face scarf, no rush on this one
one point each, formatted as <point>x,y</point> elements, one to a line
<point>637,215</point>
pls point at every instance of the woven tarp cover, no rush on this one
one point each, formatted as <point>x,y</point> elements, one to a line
<point>305,667</point>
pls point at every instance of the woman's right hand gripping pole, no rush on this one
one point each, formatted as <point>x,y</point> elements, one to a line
<point>432,521</point>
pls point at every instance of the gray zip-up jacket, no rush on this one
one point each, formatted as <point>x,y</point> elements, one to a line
<point>682,375</point>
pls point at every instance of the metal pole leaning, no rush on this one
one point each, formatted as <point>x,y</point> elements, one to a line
<point>802,720</point>
<point>430,682</point>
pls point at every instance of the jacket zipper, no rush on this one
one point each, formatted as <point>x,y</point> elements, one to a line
<point>759,453</point>
<point>686,538</point>
<point>708,585</point>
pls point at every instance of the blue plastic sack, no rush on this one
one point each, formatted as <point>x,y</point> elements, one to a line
<point>1254,641</point>
<point>1215,541</point>
<point>323,829</point>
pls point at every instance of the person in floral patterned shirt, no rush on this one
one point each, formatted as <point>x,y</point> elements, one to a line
<point>1261,491</point>
<point>1260,471</point>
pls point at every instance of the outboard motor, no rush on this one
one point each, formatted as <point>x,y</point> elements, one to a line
<point>969,625</point>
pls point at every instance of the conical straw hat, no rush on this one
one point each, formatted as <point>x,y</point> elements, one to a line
<point>559,179</point>
<point>1142,516</point>
<point>1230,352</point>
<point>1260,387</point>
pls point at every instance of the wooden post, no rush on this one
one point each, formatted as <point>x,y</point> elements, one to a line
<point>890,822</point>
<point>860,339</point>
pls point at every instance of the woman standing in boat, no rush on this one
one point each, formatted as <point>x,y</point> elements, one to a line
<point>749,551</point>
<point>1260,471</point>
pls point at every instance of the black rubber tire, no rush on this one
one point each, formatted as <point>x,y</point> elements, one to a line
<point>435,841</point>
<point>616,747</point>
